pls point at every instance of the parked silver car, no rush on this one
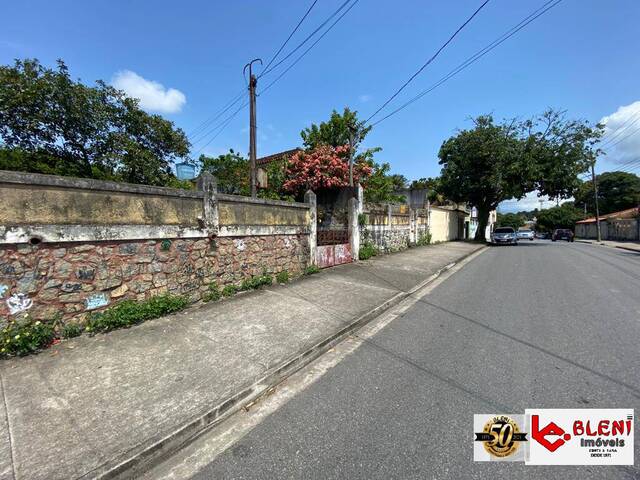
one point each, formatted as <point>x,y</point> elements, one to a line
<point>504,235</point>
<point>526,235</point>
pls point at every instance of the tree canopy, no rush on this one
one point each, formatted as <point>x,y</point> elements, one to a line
<point>493,162</point>
<point>50,123</point>
<point>563,216</point>
<point>514,220</point>
<point>616,191</point>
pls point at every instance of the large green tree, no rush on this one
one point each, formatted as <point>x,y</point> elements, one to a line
<point>513,220</point>
<point>493,162</point>
<point>616,191</point>
<point>562,216</point>
<point>50,123</point>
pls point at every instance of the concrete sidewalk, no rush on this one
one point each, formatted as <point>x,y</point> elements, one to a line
<point>103,406</point>
<point>630,245</point>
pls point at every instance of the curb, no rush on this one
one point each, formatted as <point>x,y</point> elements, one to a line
<point>151,454</point>
<point>629,249</point>
<point>621,247</point>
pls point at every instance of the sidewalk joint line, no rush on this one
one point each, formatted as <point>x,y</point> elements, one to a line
<point>6,413</point>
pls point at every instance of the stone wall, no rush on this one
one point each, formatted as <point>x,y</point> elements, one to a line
<point>87,244</point>
<point>392,227</point>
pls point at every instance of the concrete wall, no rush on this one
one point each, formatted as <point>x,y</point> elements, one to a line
<point>74,246</point>
<point>620,229</point>
<point>444,224</point>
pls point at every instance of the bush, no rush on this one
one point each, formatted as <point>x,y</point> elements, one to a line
<point>311,269</point>
<point>71,330</point>
<point>229,291</point>
<point>425,239</point>
<point>256,282</point>
<point>367,251</point>
<point>212,294</point>
<point>24,337</point>
<point>130,312</point>
<point>282,277</point>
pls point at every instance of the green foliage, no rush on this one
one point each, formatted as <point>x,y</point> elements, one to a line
<point>311,269</point>
<point>213,294</point>
<point>337,131</point>
<point>380,186</point>
<point>276,176</point>
<point>130,312</point>
<point>563,216</point>
<point>231,171</point>
<point>424,239</point>
<point>616,191</point>
<point>256,281</point>
<point>362,219</point>
<point>71,330</point>
<point>229,290</point>
<point>21,337</point>
<point>495,162</point>
<point>51,124</point>
<point>514,220</point>
<point>367,250</point>
<point>282,277</point>
<point>434,187</point>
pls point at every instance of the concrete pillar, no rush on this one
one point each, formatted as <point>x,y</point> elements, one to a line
<point>354,228</point>
<point>310,198</point>
<point>208,184</point>
<point>413,226</point>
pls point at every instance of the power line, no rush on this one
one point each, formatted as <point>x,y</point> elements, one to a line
<point>265,72</point>
<point>619,131</point>
<point>435,55</point>
<point>477,56</point>
<point>623,138</point>
<point>290,35</point>
<point>221,126</point>
<point>307,50</point>
<point>202,132</point>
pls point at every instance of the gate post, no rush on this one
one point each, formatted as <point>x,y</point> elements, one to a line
<point>310,198</point>
<point>208,184</point>
<point>354,229</point>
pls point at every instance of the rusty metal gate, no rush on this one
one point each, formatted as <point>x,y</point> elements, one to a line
<point>334,248</point>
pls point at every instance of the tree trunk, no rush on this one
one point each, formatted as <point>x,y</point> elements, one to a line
<point>483,221</point>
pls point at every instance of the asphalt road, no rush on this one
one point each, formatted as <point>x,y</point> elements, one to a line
<point>547,325</point>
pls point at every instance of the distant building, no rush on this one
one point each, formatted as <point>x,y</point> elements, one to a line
<point>622,225</point>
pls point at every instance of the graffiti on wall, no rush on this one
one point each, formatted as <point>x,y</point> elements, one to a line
<point>19,302</point>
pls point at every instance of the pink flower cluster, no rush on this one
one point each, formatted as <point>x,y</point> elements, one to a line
<point>322,167</point>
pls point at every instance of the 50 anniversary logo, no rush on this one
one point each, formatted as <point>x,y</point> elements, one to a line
<point>557,437</point>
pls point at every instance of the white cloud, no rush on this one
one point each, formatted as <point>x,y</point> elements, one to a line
<point>153,96</point>
<point>364,98</point>
<point>622,133</point>
<point>530,201</point>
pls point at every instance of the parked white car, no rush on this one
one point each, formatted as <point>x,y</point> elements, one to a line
<point>526,235</point>
<point>504,235</point>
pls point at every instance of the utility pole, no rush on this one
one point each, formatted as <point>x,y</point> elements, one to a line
<point>253,82</point>
<point>595,195</point>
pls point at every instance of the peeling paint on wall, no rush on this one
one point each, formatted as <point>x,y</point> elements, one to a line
<point>3,290</point>
<point>240,245</point>
<point>96,301</point>
<point>19,302</point>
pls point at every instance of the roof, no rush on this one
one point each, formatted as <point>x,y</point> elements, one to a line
<point>628,213</point>
<point>276,156</point>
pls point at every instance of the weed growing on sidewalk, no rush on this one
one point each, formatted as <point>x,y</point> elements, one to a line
<point>229,291</point>
<point>367,251</point>
<point>212,294</point>
<point>21,337</point>
<point>311,269</point>
<point>256,282</point>
<point>130,312</point>
<point>71,330</point>
<point>282,277</point>
<point>424,239</point>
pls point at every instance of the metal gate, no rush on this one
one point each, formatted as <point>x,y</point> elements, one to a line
<point>333,248</point>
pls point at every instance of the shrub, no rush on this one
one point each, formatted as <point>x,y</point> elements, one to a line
<point>130,312</point>
<point>424,239</point>
<point>256,281</point>
<point>71,330</point>
<point>229,291</point>
<point>282,277</point>
<point>367,251</point>
<point>212,294</point>
<point>21,337</point>
<point>311,269</point>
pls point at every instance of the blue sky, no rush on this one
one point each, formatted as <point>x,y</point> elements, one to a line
<point>581,56</point>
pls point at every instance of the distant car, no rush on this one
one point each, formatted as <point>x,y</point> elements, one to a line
<point>504,235</point>
<point>542,235</point>
<point>526,235</point>
<point>562,234</point>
